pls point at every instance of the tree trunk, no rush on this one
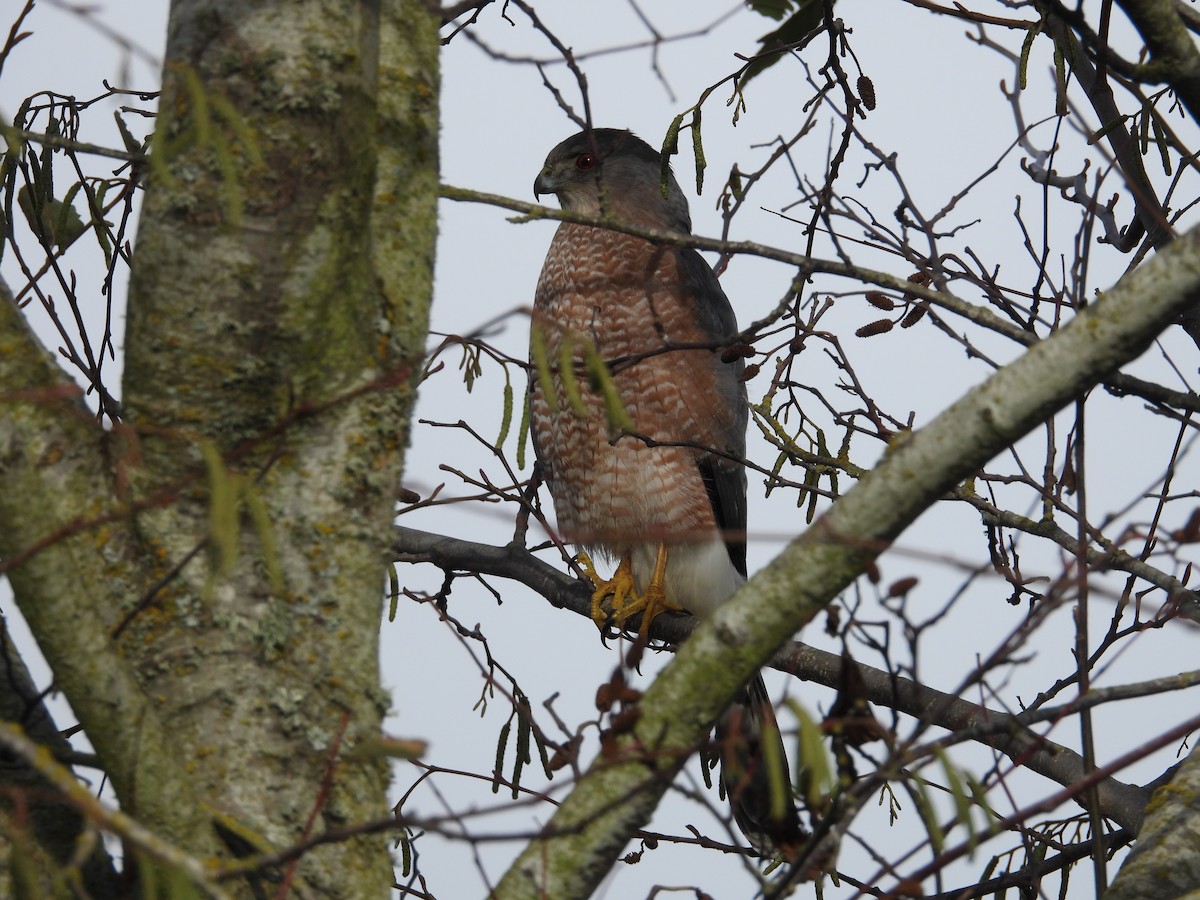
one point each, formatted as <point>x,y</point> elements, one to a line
<point>205,579</point>
<point>1165,862</point>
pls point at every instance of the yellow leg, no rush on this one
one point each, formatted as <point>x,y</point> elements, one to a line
<point>620,588</point>
<point>616,600</point>
<point>655,601</point>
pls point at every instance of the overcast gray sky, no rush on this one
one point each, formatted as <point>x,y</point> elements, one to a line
<point>940,110</point>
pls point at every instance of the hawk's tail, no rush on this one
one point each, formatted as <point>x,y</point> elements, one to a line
<point>754,774</point>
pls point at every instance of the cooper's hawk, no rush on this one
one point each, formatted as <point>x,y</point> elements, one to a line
<point>639,426</point>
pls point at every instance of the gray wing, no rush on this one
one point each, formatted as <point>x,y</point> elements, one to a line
<point>772,827</point>
<point>724,479</point>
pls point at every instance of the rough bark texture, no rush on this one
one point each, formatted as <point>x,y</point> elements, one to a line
<point>69,570</point>
<point>618,794</point>
<point>1165,862</point>
<point>1174,56</point>
<point>241,514</point>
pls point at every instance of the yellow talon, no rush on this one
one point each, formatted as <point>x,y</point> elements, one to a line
<point>616,600</point>
<point>620,588</point>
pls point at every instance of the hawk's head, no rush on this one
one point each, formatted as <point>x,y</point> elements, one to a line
<point>609,171</point>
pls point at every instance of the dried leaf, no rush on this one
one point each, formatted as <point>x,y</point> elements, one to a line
<point>772,9</point>
<point>808,17</point>
<point>1189,533</point>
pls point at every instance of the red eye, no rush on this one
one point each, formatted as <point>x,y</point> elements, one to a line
<point>585,161</point>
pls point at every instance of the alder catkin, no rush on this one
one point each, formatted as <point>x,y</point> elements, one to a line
<point>866,90</point>
<point>879,326</point>
<point>914,315</point>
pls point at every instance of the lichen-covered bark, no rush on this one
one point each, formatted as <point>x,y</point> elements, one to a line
<point>1165,862</point>
<point>67,559</point>
<point>1174,57</point>
<point>591,826</point>
<point>276,322</point>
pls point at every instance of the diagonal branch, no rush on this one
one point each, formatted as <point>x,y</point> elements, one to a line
<point>1179,596</point>
<point>1011,735</point>
<point>588,831</point>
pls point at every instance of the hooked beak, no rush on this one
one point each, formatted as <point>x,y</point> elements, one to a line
<point>545,183</point>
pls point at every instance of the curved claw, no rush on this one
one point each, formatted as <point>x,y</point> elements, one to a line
<point>620,588</point>
<point>653,604</point>
<point>616,600</point>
